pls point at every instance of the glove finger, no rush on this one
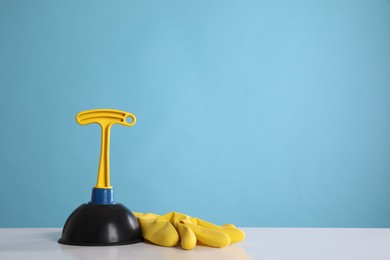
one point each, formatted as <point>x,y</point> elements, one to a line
<point>187,236</point>
<point>207,236</point>
<point>228,225</point>
<point>177,217</point>
<point>166,217</point>
<point>235,234</point>
<point>158,232</point>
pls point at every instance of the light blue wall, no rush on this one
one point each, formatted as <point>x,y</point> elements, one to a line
<point>259,113</point>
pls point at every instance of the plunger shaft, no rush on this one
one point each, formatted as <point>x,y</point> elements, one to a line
<point>105,118</point>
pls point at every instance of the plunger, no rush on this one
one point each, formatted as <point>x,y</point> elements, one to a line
<point>102,221</point>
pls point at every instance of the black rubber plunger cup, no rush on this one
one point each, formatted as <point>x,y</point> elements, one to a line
<point>101,225</point>
<point>102,222</point>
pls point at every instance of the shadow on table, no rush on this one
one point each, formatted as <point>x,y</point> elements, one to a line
<point>147,251</point>
<point>51,236</point>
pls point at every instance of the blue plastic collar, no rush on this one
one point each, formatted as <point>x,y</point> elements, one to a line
<point>102,196</point>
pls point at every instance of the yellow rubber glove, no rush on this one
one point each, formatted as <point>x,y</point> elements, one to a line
<point>168,229</point>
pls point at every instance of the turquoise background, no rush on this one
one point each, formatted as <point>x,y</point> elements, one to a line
<point>258,113</point>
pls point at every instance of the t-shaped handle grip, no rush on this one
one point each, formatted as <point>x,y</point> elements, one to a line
<point>105,118</point>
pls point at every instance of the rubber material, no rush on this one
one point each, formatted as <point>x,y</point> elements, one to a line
<point>102,196</point>
<point>101,225</point>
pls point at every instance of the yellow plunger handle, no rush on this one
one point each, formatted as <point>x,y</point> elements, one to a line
<point>105,118</point>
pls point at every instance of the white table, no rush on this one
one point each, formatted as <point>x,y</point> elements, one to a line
<point>260,243</point>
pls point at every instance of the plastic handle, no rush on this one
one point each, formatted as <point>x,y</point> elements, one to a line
<point>105,118</point>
